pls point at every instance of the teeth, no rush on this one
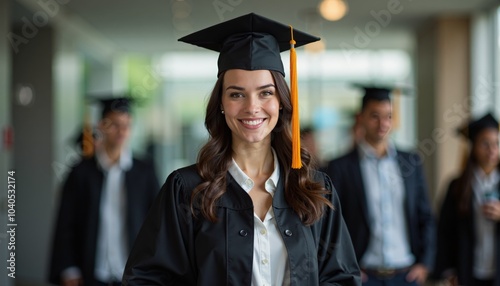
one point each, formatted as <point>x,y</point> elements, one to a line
<point>252,122</point>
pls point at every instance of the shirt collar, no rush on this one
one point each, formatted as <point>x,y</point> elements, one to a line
<point>481,176</point>
<point>367,151</point>
<point>124,163</point>
<point>247,184</point>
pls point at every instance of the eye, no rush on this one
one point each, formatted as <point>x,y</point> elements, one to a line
<point>236,95</point>
<point>267,93</point>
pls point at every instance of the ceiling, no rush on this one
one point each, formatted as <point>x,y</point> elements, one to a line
<point>153,26</point>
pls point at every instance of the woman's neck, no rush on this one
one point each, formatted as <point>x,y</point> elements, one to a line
<point>255,162</point>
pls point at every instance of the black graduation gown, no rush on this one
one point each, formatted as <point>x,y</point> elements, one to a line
<point>456,240</point>
<point>174,248</point>
<point>75,236</point>
<point>345,173</point>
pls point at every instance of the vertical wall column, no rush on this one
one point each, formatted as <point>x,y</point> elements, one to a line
<point>443,85</point>
<point>5,149</point>
<point>32,113</point>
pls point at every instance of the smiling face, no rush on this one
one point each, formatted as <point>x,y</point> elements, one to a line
<point>251,105</point>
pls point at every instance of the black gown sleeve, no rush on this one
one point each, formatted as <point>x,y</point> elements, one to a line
<point>66,236</point>
<point>337,262</point>
<point>447,248</point>
<point>163,251</point>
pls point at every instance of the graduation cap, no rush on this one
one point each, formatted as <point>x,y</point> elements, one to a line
<point>249,42</point>
<point>472,128</point>
<point>375,93</point>
<point>253,42</point>
<point>115,104</point>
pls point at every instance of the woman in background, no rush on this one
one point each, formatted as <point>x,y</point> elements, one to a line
<point>468,230</point>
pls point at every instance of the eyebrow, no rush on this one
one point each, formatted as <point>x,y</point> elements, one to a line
<point>242,88</point>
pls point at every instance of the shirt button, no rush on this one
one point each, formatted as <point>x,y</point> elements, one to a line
<point>264,261</point>
<point>263,231</point>
<point>243,233</point>
<point>288,232</point>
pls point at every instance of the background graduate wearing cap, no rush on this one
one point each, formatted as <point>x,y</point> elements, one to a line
<point>384,201</point>
<point>104,201</point>
<point>469,221</point>
<point>245,214</point>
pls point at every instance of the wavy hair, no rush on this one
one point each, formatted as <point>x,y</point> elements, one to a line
<point>305,196</point>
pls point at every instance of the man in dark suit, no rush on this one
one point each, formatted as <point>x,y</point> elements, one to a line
<point>103,204</point>
<point>384,201</point>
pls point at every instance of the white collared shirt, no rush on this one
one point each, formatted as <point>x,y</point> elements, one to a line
<point>270,258</point>
<point>112,250</point>
<point>389,245</point>
<point>484,249</point>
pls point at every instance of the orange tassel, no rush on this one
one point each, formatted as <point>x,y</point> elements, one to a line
<point>88,139</point>
<point>294,94</point>
<point>396,108</point>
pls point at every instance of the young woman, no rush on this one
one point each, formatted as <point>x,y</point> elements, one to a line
<point>468,231</point>
<point>242,215</point>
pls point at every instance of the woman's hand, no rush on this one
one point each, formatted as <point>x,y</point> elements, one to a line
<point>491,210</point>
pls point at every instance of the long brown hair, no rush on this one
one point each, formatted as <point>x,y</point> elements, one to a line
<point>302,193</point>
<point>463,187</point>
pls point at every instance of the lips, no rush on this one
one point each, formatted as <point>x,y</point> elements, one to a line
<point>253,122</point>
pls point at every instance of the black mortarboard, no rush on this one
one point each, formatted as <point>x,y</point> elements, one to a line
<point>117,104</point>
<point>375,93</point>
<point>249,42</point>
<point>471,129</point>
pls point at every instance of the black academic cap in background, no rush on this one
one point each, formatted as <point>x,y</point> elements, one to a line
<point>111,102</point>
<point>380,92</point>
<point>116,104</point>
<point>376,93</point>
<point>249,42</point>
<point>472,128</point>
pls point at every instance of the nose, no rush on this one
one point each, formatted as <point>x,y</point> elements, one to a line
<point>252,105</point>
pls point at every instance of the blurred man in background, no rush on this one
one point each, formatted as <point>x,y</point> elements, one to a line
<point>384,201</point>
<point>104,201</point>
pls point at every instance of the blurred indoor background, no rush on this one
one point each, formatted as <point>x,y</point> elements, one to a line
<point>443,56</point>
